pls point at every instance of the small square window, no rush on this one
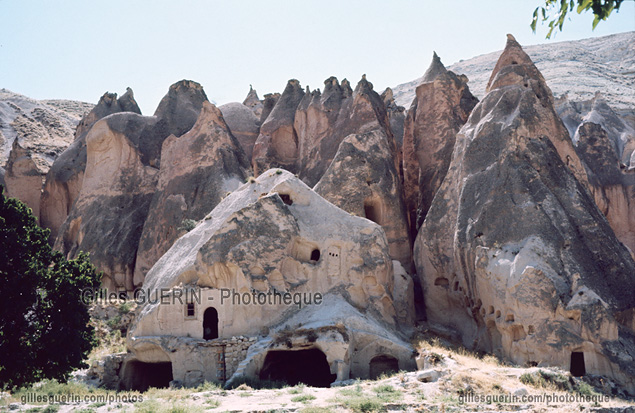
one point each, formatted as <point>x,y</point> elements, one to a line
<point>189,311</point>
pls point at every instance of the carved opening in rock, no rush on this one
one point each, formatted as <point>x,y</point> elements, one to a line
<point>490,310</point>
<point>286,198</point>
<point>455,287</point>
<point>442,282</point>
<point>139,376</point>
<point>297,366</point>
<point>498,313</point>
<point>210,324</point>
<point>382,364</point>
<point>518,332</point>
<point>509,318</point>
<point>304,251</point>
<point>577,364</point>
<point>190,311</point>
<point>372,210</point>
<point>495,335</point>
<point>531,330</point>
<point>315,255</point>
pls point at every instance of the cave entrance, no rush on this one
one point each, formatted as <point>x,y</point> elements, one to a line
<point>577,364</point>
<point>383,364</point>
<point>210,324</point>
<point>139,376</point>
<point>298,366</point>
<point>372,211</point>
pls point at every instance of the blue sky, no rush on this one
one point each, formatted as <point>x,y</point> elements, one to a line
<point>78,50</point>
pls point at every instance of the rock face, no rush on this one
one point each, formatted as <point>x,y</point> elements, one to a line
<point>363,181</point>
<point>396,114</point>
<point>64,179</point>
<point>324,119</point>
<point>514,255</point>
<point>122,169</point>
<point>441,106</point>
<point>275,235</point>
<point>45,127</point>
<point>253,102</point>
<point>197,170</point>
<point>277,144</point>
<point>244,125</point>
<point>613,187</point>
<point>23,179</point>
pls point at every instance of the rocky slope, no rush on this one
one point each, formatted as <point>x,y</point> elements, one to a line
<point>577,68</point>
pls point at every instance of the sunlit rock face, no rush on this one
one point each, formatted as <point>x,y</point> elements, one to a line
<point>64,179</point>
<point>514,255</point>
<point>441,106</point>
<point>198,170</point>
<point>123,156</point>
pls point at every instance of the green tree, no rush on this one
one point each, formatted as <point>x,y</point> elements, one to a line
<point>555,11</point>
<point>44,324</point>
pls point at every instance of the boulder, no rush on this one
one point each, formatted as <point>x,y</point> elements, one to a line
<point>277,144</point>
<point>64,179</point>
<point>23,179</point>
<point>198,169</point>
<point>363,181</point>
<point>323,120</point>
<point>514,254</point>
<point>253,102</point>
<point>441,106</point>
<point>243,123</point>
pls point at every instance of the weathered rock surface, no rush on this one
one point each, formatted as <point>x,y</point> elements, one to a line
<point>244,125</point>
<point>64,179</point>
<point>23,179</point>
<point>122,165</point>
<point>271,236</point>
<point>441,106</point>
<point>198,169</point>
<point>253,102</point>
<point>363,181</point>
<point>323,120</point>
<point>2,176</point>
<point>268,103</point>
<point>277,144</point>
<point>613,187</point>
<point>514,254</point>
<point>396,114</point>
<point>45,127</point>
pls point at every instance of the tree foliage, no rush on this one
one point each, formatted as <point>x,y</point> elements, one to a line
<point>44,324</point>
<point>555,11</point>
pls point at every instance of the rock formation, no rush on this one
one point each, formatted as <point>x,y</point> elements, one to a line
<point>277,144</point>
<point>122,168</point>
<point>64,179</point>
<point>396,114</point>
<point>613,187</point>
<point>268,103</point>
<point>2,177</point>
<point>198,169</point>
<point>23,179</point>
<point>363,181</point>
<point>272,236</point>
<point>514,255</point>
<point>327,118</point>
<point>253,102</point>
<point>441,106</point>
<point>244,125</point>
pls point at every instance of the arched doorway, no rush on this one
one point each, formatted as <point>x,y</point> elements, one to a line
<point>308,366</point>
<point>382,364</point>
<point>210,324</point>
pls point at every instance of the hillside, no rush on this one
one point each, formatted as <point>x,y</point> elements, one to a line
<point>579,68</point>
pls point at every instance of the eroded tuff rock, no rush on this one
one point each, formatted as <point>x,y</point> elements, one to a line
<point>2,176</point>
<point>253,102</point>
<point>198,169</point>
<point>243,123</point>
<point>612,186</point>
<point>277,144</point>
<point>363,181</point>
<point>23,179</point>
<point>44,127</point>
<point>268,103</point>
<point>64,179</point>
<point>122,165</point>
<point>276,235</point>
<point>441,106</point>
<point>325,119</point>
<point>514,254</point>
<point>396,114</point>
